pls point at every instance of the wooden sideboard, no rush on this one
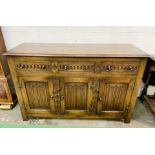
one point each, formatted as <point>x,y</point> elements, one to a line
<point>85,81</point>
<point>7,92</point>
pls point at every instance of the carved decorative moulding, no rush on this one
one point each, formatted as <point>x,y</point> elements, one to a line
<point>116,67</point>
<point>93,67</point>
<point>77,66</point>
<point>33,66</point>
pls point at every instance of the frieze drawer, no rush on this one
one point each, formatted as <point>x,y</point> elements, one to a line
<point>87,66</point>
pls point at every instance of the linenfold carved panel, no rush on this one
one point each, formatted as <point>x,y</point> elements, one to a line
<point>113,96</point>
<point>38,94</point>
<point>76,96</point>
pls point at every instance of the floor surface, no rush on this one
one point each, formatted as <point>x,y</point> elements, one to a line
<point>142,118</point>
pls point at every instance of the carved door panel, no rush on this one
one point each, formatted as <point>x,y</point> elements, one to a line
<point>36,93</point>
<point>78,94</point>
<point>41,94</point>
<point>114,94</point>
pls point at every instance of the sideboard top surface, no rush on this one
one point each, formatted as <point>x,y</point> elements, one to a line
<point>76,50</point>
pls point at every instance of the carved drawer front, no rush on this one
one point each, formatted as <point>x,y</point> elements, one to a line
<point>5,95</point>
<point>117,67</point>
<point>115,94</point>
<point>76,65</point>
<point>56,66</point>
<point>33,66</point>
<point>99,67</point>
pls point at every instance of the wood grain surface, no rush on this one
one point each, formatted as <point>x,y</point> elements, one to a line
<point>77,50</point>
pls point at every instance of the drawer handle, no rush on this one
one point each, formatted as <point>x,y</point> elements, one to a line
<point>65,67</point>
<point>100,98</point>
<point>62,97</point>
<point>109,68</point>
<point>22,66</point>
<point>43,67</point>
<point>130,68</point>
<point>52,97</point>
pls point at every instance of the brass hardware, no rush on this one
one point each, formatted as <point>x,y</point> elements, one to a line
<point>43,67</point>
<point>62,97</point>
<point>52,97</point>
<point>100,98</point>
<point>55,67</point>
<point>22,66</point>
<point>130,68</point>
<point>108,68</point>
<point>65,67</point>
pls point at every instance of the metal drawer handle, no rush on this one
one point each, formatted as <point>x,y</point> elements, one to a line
<point>62,97</point>
<point>100,98</point>
<point>109,68</point>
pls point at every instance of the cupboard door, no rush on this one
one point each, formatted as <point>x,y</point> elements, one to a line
<point>114,94</point>
<point>42,94</point>
<point>78,94</point>
<point>35,92</point>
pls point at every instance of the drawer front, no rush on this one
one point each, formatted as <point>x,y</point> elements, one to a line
<point>79,65</point>
<point>122,66</point>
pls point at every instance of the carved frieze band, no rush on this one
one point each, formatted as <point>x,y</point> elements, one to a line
<point>33,66</point>
<point>116,67</point>
<point>78,66</point>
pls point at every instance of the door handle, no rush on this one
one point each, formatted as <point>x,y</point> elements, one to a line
<point>62,97</point>
<point>100,98</point>
<point>52,97</point>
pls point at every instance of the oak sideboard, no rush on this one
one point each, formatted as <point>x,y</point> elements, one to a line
<point>82,81</point>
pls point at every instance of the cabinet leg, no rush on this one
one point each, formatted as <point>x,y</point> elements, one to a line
<point>24,115</point>
<point>127,120</point>
<point>25,118</point>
